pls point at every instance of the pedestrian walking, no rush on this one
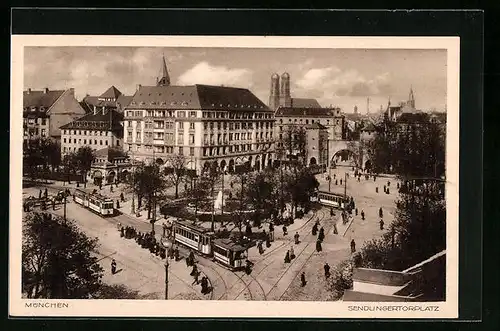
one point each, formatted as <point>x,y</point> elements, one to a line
<point>284,230</point>
<point>362,215</point>
<point>46,193</point>
<point>302,279</point>
<point>196,281</point>
<point>176,254</point>
<point>259,246</point>
<point>388,183</point>
<point>336,182</point>
<point>113,267</point>
<point>381,224</point>
<point>321,234</point>
<point>353,246</point>
<point>335,231</point>
<point>315,229</point>
<point>204,285</point>
<point>326,267</point>
<point>332,213</point>
<point>117,204</point>
<point>387,191</point>
<point>40,194</point>
<point>194,271</point>
<point>191,257</point>
<point>376,189</point>
<point>380,213</point>
<point>374,178</point>
<point>359,178</point>
<point>287,257</point>
<point>341,181</point>
<point>318,246</point>
<point>122,198</point>
<point>54,204</point>
<point>111,188</point>
<point>385,188</point>
<point>292,253</point>
<point>296,237</point>
<point>356,210</point>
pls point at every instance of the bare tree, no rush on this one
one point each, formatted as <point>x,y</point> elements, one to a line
<point>177,171</point>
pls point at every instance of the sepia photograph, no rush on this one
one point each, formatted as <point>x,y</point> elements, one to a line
<point>171,171</point>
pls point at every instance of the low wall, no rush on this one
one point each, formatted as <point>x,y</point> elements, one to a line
<point>382,277</point>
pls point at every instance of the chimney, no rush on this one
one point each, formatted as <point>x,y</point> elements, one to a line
<point>46,90</point>
<point>138,86</point>
<point>71,91</point>
<point>29,91</point>
<point>95,110</point>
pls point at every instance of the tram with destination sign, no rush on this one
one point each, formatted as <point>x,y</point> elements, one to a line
<point>224,251</point>
<point>96,202</point>
<point>334,200</point>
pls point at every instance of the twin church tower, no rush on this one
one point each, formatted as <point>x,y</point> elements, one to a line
<point>280,93</point>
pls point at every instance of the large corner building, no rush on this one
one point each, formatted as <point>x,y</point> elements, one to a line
<point>206,124</point>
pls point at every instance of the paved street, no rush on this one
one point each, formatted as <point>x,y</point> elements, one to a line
<point>271,278</point>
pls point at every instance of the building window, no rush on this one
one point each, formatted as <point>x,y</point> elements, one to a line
<point>64,149</point>
<point>192,114</point>
<point>100,142</point>
<point>95,142</point>
<point>181,151</point>
<point>205,125</point>
<point>64,140</point>
<point>211,125</point>
<point>85,141</point>
<point>181,125</point>
<point>79,141</point>
<point>138,136</point>
<point>106,142</point>
<point>191,126</point>
<point>205,138</point>
<point>191,139</point>
<point>74,141</point>
<point>44,121</point>
<point>191,151</point>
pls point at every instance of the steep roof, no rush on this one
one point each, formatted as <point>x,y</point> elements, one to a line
<point>124,100</point>
<point>305,103</point>
<point>196,97</point>
<point>98,121</point>
<point>111,92</point>
<point>316,112</point>
<point>110,153</point>
<point>315,125</point>
<point>40,99</point>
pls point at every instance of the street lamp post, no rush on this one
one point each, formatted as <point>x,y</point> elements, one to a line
<point>167,244</point>
<point>166,278</point>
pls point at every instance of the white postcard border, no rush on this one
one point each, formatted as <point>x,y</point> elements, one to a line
<point>222,309</point>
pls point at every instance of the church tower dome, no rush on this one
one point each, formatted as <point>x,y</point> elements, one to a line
<point>274,93</point>
<point>285,97</point>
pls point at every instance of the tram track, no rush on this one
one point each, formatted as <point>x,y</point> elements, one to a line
<point>303,264</point>
<point>294,263</point>
<point>268,256</point>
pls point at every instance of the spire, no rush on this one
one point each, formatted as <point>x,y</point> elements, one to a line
<point>411,99</point>
<point>165,78</point>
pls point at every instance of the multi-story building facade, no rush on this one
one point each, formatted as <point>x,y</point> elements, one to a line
<point>100,129</point>
<point>46,111</point>
<point>206,124</point>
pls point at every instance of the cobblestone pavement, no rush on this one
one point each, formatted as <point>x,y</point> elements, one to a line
<point>271,278</point>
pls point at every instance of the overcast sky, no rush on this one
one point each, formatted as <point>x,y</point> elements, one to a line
<point>340,77</point>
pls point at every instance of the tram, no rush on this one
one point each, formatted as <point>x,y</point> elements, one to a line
<point>96,202</point>
<point>335,200</point>
<point>230,254</point>
<point>203,241</point>
<point>194,237</point>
